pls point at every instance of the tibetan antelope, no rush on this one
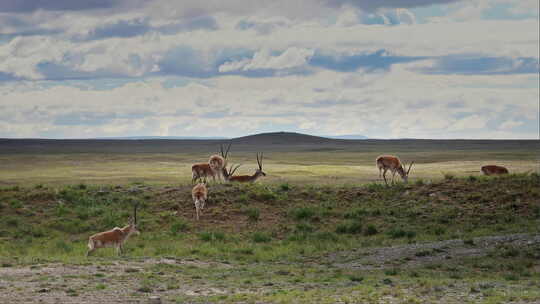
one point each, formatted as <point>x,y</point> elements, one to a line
<point>218,162</point>
<point>494,170</point>
<point>202,171</point>
<point>244,178</point>
<point>115,237</point>
<point>199,193</point>
<point>392,163</point>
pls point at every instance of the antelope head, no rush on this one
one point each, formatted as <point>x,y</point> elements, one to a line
<point>405,174</point>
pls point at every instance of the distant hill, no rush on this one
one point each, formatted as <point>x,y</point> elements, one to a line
<point>160,137</point>
<point>282,138</point>
<point>351,136</point>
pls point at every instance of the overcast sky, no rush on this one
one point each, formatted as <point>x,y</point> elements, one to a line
<point>432,69</point>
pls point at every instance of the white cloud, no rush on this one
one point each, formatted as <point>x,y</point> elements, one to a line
<point>291,58</point>
<point>510,124</point>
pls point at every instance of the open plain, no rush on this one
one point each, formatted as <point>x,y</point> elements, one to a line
<point>321,227</point>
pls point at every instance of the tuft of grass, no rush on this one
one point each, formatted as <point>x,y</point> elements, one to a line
<point>449,176</point>
<point>285,187</point>
<point>211,236</point>
<point>253,214</point>
<point>178,226</point>
<point>397,233</point>
<point>303,213</point>
<point>371,230</point>
<point>260,237</point>
<point>15,203</point>
<point>350,227</point>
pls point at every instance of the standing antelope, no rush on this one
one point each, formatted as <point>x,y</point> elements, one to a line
<point>244,178</point>
<point>392,163</point>
<point>494,170</point>
<point>115,237</point>
<point>218,162</point>
<point>202,171</point>
<point>199,193</point>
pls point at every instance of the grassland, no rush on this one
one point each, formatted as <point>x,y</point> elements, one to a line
<point>280,243</point>
<point>287,159</point>
<point>319,229</point>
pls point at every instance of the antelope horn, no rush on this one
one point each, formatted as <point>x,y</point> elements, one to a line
<point>410,167</point>
<point>135,214</point>
<point>260,162</point>
<point>238,166</point>
<point>221,149</point>
<point>227,152</point>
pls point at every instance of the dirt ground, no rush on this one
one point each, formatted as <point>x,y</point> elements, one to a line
<point>118,281</point>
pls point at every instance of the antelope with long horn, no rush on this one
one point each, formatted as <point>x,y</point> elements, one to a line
<point>218,162</point>
<point>392,163</point>
<point>199,193</point>
<point>245,178</point>
<point>115,237</point>
<point>494,170</point>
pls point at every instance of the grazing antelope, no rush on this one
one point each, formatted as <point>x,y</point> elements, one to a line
<point>199,193</point>
<point>494,170</point>
<point>218,162</point>
<point>201,171</point>
<point>244,178</point>
<point>115,237</point>
<point>392,163</point>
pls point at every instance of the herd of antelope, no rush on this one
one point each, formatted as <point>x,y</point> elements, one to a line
<point>217,167</point>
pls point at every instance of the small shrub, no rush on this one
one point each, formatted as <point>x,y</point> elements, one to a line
<point>326,236</point>
<point>397,233</point>
<point>419,182</point>
<point>439,231</point>
<point>253,214</point>
<point>472,178</point>
<point>355,213</point>
<point>449,176</point>
<point>302,213</point>
<point>260,237</point>
<point>63,246</point>
<point>263,194</point>
<point>356,278</point>
<point>100,286</point>
<point>208,236</point>
<point>81,186</point>
<point>242,198</point>
<point>15,204</point>
<point>178,226</point>
<point>371,230</point>
<point>61,209</point>
<point>391,272</point>
<point>350,227</point>
<point>12,221</point>
<point>285,187</point>
<point>469,242</point>
<point>304,227</point>
<point>244,251</point>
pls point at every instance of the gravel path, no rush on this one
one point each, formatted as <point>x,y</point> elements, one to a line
<point>412,255</point>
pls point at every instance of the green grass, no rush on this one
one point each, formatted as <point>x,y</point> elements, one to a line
<point>305,221</point>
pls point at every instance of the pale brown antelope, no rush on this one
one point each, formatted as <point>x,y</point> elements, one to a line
<point>201,172</point>
<point>245,178</point>
<point>199,193</point>
<point>218,162</point>
<point>115,237</point>
<point>392,163</point>
<point>494,170</point>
